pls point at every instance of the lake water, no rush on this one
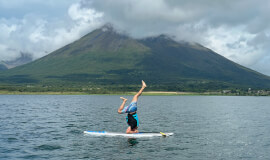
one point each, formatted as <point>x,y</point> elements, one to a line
<point>204,127</point>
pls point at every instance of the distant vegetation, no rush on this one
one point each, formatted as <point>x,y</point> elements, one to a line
<point>127,89</point>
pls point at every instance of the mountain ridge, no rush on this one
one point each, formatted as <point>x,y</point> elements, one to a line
<point>24,58</point>
<point>105,57</point>
<point>3,67</point>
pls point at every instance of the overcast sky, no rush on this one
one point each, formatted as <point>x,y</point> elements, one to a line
<point>237,29</point>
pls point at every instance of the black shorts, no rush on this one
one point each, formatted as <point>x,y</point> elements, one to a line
<point>132,121</point>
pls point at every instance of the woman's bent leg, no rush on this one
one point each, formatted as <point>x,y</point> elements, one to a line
<point>122,105</point>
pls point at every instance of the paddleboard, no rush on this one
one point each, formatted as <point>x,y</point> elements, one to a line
<point>134,135</point>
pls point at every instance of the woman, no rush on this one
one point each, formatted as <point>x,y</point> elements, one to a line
<point>131,110</point>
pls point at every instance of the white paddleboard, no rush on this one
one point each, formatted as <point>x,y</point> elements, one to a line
<point>134,135</point>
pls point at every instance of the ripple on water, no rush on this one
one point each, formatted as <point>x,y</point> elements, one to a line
<point>75,132</point>
<point>32,156</point>
<point>48,147</point>
<point>51,127</point>
<point>12,139</point>
<point>69,125</point>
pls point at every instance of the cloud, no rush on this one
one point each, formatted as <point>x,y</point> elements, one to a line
<point>39,35</point>
<point>238,30</point>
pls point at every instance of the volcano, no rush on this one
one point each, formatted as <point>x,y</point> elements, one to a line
<point>105,57</point>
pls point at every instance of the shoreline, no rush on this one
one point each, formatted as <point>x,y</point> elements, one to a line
<point>85,93</point>
<point>147,93</point>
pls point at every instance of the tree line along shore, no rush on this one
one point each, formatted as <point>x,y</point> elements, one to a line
<point>150,93</point>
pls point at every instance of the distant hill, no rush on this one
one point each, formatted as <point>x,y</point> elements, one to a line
<point>3,67</point>
<point>24,58</point>
<point>107,58</point>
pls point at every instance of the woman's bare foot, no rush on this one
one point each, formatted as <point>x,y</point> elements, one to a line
<point>124,99</point>
<point>143,84</point>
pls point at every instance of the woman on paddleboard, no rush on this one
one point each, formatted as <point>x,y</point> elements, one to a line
<point>131,110</point>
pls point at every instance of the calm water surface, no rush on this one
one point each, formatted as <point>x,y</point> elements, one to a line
<point>205,127</point>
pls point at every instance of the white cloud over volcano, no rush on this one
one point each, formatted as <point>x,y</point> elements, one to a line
<point>238,30</point>
<point>39,35</point>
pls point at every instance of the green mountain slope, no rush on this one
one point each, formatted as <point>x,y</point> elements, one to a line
<point>105,57</point>
<point>197,62</point>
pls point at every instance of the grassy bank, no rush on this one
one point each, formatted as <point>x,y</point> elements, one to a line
<point>40,93</point>
<point>149,93</point>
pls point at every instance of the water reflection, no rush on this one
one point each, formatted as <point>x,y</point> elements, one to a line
<point>132,142</point>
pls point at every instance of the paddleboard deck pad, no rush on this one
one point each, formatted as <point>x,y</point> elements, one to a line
<point>133,135</point>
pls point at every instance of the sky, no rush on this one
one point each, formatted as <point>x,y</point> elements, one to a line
<point>236,29</point>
